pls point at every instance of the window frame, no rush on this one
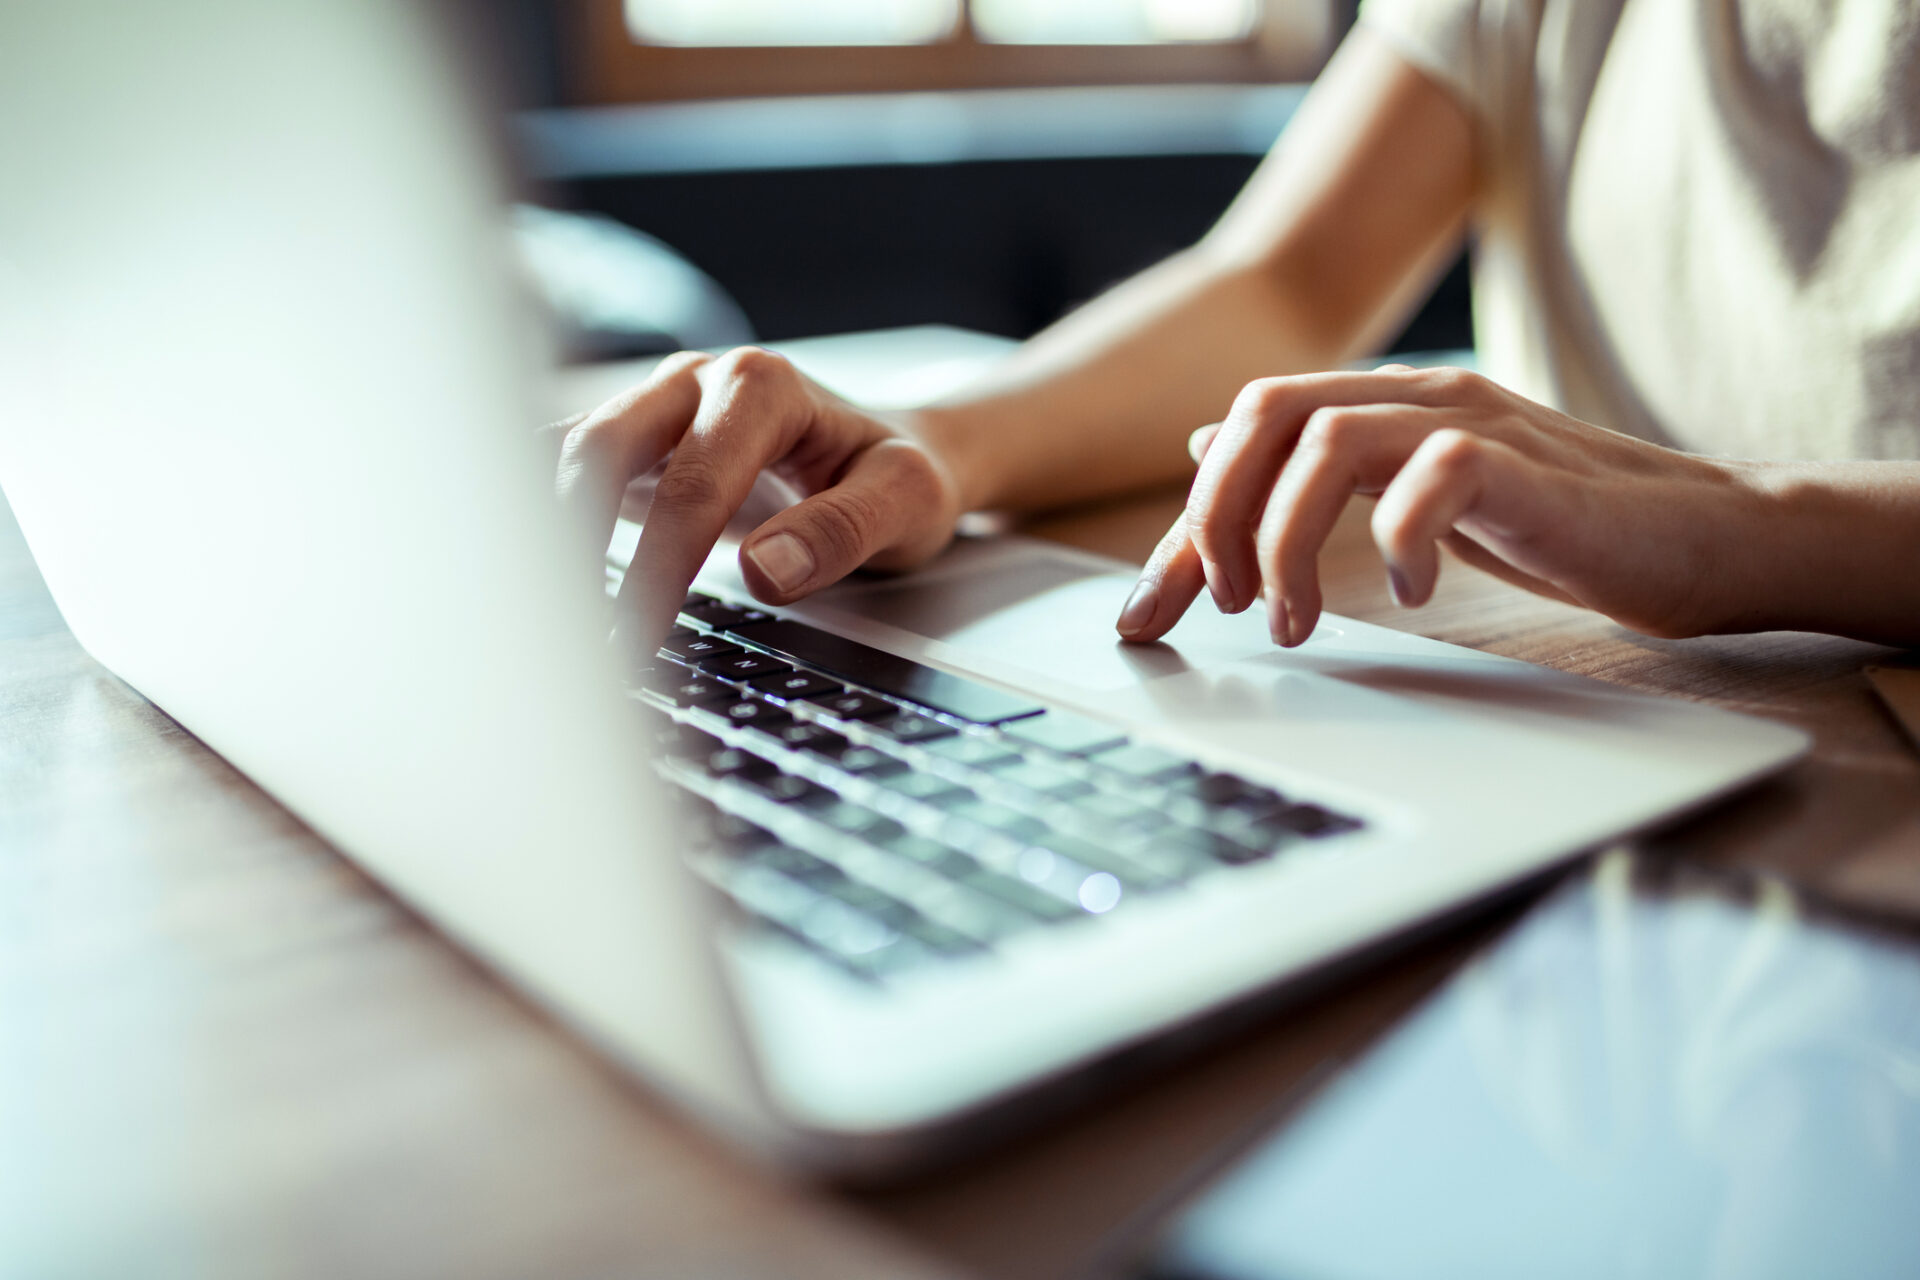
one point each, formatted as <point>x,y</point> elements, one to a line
<point>1289,42</point>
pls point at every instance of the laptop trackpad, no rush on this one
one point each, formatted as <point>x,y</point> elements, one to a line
<point>1011,602</point>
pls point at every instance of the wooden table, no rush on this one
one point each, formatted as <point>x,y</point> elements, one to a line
<point>225,1052</point>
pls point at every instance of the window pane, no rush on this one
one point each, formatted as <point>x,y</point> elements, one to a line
<point>1112,21</point>
<point>766,22</point>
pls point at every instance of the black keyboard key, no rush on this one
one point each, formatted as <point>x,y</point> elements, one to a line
<point>685,742</point>
<point>867,763</point>
<point>855,706</point>
<point>928,852</point>
<point>718,614</point>
<point>1042,779</point>
<point>1143,763</point>
<point>1080,886</point>
<point>741,665</point>
<point>1312,821</point>
<point>694,647</point>
<point>1093,854</point>
<point>1019,893</point>
<point>683,688</point>
<point>1120,811</point>
<point>791,683</point>
<point>786,788</point>
<point>1257,803</point>
<point>733,835</point>
<point>938,937</point>
<point>751,713</point>
<point>1206,797</point>
<point>1211,789</point>
<point>742,766</point>
<point>975,751</point>
<point>1066,733</point>
<point>915,729</point>
<point>1207,845</point>
<point>925,787</point>
<point>804,735</point>
<point>870,901</point>
<point>888,673</point>
<point>845,815</point>
<point>995,817</point>
<point>799,865</point>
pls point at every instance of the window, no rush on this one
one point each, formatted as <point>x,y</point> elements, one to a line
<point>783,22</point>
<point>637,50</point>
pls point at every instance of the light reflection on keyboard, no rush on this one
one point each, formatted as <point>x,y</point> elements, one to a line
<point>888,815</point>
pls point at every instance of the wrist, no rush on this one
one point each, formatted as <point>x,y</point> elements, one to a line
<point>957,446</point>
<point>1808,548</point>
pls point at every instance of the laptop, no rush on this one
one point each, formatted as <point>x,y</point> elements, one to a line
<point>856,880</point>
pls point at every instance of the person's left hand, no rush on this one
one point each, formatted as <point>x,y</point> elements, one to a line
<point>1661,541</point>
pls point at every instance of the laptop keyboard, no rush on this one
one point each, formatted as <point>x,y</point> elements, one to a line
<point>888,815</point>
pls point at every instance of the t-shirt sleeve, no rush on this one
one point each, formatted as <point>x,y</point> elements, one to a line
<point>1476,48</point>
<point>1437,36</point>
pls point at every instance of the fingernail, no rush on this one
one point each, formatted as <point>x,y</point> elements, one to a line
<point>1216,585</point>
<point>783,560</point>
<point>1397,586</point>
<point>1278,623</point>
<point>1138,610</point>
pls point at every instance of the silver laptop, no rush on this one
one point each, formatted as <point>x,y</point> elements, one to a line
<point>853,879</point>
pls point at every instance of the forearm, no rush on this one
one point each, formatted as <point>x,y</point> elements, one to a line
<point>1837,549</point>
<point>1326,248</point>
<point>1102,401</point>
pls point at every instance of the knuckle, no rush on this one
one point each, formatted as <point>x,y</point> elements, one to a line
<point>753,368</point>
<point>1456,383</point>
<point>689,482</point>
<point>1204,523</point>
<point>1453,452</point>
<point>842,526</point>
<point>680,362</point>
<point>1331,430</point>
<point>597,437</point>
<point>1262,398</point>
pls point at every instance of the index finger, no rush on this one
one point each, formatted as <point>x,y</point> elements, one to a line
<point>602,451</point>
<point>751,405</point>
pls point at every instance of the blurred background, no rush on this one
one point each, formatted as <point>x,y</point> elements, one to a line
<point>777,169</point>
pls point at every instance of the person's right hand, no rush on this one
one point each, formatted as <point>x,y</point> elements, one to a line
<point>874,493</point>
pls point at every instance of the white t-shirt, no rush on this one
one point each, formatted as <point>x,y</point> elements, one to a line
<point>1699,220</point>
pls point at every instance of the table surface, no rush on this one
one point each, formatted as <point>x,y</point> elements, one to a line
<point>225,1051</point>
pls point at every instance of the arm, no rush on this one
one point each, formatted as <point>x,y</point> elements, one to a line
<point>1357,206</point>
<point>1334,237</point>
<point>1841,551</point>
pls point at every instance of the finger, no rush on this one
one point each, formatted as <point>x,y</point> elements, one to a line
<point>554,434</point>
<point>753,405</point>
<point>1253,444</point>
<point>1342,451</point>
<point>1168,584</point>
<point>1198,442</point>
<point>879,513</point>
<point>1455,476</point>
<point>629,434</point>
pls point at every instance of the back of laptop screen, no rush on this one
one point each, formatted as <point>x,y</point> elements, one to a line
<point>269,440</point>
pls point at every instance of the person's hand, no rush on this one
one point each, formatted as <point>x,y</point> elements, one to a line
<point>873,493</point>
<point>1660,541</point>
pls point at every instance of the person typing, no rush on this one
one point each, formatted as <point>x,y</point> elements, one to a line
<point>1698,315</point>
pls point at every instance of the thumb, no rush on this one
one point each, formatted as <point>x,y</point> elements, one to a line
<point>892,506</point>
